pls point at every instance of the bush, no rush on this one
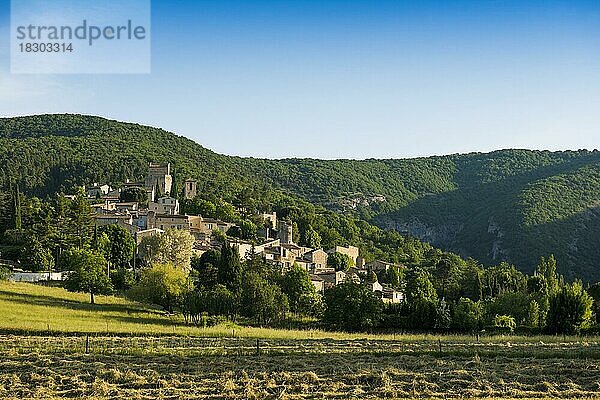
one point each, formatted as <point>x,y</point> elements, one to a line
<point>570,310</point>
<point>161,284</point>
<point>351,307</point>
<point>505,322</point>
<point>4,274</point>
<point>467,315</point>
<point>122,279</point>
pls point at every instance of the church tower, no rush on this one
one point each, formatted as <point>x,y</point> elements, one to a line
<point>159,176</point>
<point>190,189</point>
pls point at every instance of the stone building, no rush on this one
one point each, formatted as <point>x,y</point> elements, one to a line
<point>190,189</point>
<point>285,232</point>
<point>159,175</point>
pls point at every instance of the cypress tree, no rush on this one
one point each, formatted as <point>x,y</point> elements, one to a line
<point>17,208</point>
<point>230,267</point>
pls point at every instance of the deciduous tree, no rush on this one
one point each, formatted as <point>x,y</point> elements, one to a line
<point>88,272</point>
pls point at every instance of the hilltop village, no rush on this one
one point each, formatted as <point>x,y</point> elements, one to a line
<point>274,241</point>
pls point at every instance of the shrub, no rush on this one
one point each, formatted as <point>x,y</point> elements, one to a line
<point>467,315</point>
<point>4,273</point>
<point>161,284</point>
<point>505,322</point>
<point>351,307</point>
<point>122,279</point>
<point>570,309</point>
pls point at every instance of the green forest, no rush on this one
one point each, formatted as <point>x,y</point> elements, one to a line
<point>512,205</point>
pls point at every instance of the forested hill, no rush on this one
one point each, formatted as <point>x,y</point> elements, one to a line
<point>512,205</point>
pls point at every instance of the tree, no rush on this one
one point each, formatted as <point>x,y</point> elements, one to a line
<point>6,211</point>
<point>37,257</point>
<point>18,223</point>
<point>339,261</point>
<point>122,278</point>
<point>299,289</point>
<point>311,238</point>
<point>594,292</point>
<point>150,248</point>
<point>547,269</point>
<point>207,266</point>
<point>226,211</point>
<point>471,284</point>
<point>419,286</point>
<point>219,236</point>
<point>219,300</point>
<point>230,267</point>
<point>503,278</point>
<point>88,272</point>
<point>248,229</point>
<point>199,206</point>
<point>351,307</point>
<point>81,219</point>
<point>173,246</point>
<point>533,315</point>
<point>134,195</point>
<point>423,314</point>
<point>570,309</point>
<point>393,276</point>
<point>161,284</point>
<point>101,244</point>
<point>442,315</point>
<point>467,315</point>
<point>122,245</point>
<point>514,304</point>
<point>262,300</point>
<point>4,273</point>
<point>234,231</point>
<point>447,275</point>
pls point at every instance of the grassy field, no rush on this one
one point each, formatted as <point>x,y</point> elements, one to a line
<point>34,309</point>
<point>174,361</point>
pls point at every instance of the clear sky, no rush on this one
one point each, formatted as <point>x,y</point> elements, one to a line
<point>348,79</point>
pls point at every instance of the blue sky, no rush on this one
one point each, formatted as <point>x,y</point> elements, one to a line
<point>348,79</point>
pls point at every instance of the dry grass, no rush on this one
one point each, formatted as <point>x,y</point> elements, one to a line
<point>199,368</point>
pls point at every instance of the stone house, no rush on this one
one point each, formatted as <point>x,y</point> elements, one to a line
<point>164,205</point>
<point>390,295</point>
<point>378,265</point>
<point>350,251</point>
<point>317,259</point>
<point>97,190</point>
<point>146,233</point>
<point>331,279</point>
<point>318,283</point>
